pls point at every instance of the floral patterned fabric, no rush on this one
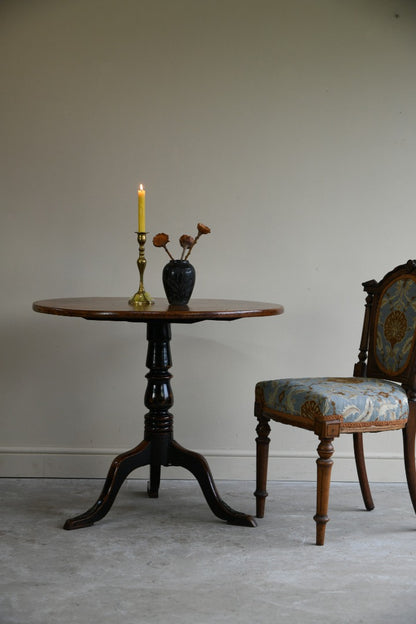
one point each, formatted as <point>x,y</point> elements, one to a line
<point>396,325</point>
<point>353,399</point>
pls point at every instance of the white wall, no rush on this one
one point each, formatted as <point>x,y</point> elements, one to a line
<point>288,127</point>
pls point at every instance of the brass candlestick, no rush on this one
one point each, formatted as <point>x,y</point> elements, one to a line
<point>141,297</point>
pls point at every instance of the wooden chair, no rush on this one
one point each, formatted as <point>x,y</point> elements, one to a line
<point>380,396</point>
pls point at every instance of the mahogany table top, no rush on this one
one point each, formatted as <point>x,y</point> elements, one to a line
<point>118,309</point>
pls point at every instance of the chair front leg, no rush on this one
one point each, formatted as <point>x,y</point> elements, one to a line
<point>262,458</point>
<point>324,468</point>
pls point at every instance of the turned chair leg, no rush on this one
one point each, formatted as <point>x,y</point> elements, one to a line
<point>409,433</point>
<point>324,468</point>
<point>362,471</point>
<point>262,457</point>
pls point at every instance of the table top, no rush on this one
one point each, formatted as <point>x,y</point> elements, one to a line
<point>119,309</point>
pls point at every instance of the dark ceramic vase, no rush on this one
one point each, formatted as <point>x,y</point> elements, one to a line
<point>178,281</point>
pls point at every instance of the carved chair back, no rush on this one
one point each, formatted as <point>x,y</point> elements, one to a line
<point>388,343</point>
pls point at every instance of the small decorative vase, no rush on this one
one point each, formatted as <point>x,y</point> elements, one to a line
<point>178,281</point>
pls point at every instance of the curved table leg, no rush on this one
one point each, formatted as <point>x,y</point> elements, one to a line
<point>198,466</point>
<point>120,468</point>
<point>154,482</point>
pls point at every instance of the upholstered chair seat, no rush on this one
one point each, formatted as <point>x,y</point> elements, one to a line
<point>380,396</point>
<point>349,400</point>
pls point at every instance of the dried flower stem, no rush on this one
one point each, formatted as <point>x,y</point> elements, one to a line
<point>168,252</point>
<point>186,242</point>
<point>192,246</point>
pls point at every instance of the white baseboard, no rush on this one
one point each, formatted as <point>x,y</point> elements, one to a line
<point>225,464</point>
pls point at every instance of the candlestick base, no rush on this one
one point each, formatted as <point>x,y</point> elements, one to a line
<point>141,297</point>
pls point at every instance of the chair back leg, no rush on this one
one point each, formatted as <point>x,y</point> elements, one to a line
<point>362,471</point>
<point>409,433</point>
<point>324,468</point>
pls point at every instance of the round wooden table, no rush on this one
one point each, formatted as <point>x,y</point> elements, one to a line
<point>158,447</point>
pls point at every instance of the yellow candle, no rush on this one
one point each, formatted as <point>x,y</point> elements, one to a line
<point>141,193</point>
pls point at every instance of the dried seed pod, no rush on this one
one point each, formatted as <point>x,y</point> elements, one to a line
<point>160,240</point>
<point>203,229</point>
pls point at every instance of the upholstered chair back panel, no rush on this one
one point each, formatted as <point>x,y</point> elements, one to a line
<point>392,337</point>
<point>395,326</point>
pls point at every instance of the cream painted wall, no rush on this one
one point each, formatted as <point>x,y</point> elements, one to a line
<point>288,127</point>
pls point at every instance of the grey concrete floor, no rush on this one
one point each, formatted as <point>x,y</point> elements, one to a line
<point>169,560</point>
